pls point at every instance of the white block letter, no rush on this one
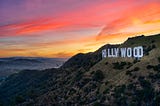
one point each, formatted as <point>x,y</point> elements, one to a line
<point>116,51</point>
<point>104,54</point>
<point>138,52</point>
<point>123,52</point>
<point>129,52</point>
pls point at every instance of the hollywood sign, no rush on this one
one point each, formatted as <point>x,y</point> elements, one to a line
<point>136,52</point>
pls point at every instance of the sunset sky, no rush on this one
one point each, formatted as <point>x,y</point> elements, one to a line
<point>62,28</point>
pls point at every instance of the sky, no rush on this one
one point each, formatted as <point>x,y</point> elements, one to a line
<point>63,28</point>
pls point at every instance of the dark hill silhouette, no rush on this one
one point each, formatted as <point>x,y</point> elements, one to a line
<point>86,79</point>
<point>86,60</point>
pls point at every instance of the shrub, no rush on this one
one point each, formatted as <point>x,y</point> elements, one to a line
<point>106,83</point>
<point>123,63</point>
<point>149,67</point>
<point>141,78</point>
<point>130,86</point>
<point>119,90</point>
<point>144,83</point>
<point>97,104</point>
<point>152,41</point>
<point>156,68</point>
<point>148,49</point>
<point>106,91</point>
<point>159,59</point>
<point>136,69</point>
<point>129,73</point>
<point>119,65</point>
<point>129,65</point>
<point>156,101</point>
<point>98,75</point>
<point>153,46</point>
<point>106,63</point>
<point>136,60</point>
<point>92,72</point>
<point>134,76</point>
<point>78,76</point>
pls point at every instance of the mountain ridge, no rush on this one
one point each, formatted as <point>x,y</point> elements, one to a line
<point>87,79</point>
<point>10,65</point>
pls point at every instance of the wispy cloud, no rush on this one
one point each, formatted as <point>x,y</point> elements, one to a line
<point>65,27</point>
<point>140,19</point>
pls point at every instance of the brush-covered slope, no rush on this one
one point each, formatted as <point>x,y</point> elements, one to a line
<point>86,79</point>
<point>87,60</point>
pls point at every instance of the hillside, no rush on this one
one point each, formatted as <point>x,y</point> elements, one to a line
<point>86,60</point>
<point>87,79</point>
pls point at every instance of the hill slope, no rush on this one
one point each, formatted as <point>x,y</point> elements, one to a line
<point>86,79</point>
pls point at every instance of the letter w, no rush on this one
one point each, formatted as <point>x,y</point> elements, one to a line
<point>123,52</point>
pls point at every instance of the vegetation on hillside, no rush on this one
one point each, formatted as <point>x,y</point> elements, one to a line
<point>86,79</point>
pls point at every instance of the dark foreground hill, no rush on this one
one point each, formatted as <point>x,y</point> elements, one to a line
<point>86,79</point>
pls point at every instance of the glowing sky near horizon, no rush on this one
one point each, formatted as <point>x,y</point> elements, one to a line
<point>62,28</point>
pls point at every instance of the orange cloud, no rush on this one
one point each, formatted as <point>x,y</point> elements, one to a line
<point>120,19</point>
<point>134,18</point>
<point>62,54</point>
<point>30,27</point>
<point>89,16</point>
<point>77,40</point>
<point>41,27</point>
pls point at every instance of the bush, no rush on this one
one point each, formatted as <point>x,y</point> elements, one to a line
<point>149,67</point>
<point>136,60</point>
<point>130,86</point>
<point>152,41</point>
<point>156,101</point>
<point>136,69</point>
<point>144,83</point>
<point>98,75</point>
<point>156,68</point>
<point>106,63</point>
<point>159,59</point>
<point>119,65</point>
<point>119,90</point>
<point>97,104</point>
<point>106,91</point>
<point>129,73</point>
<point>78,76</point>
<point>92,72</point>
<point>106,83</point>
<point>129,63</point>
<point>153,46</point>
<point>149,48</point>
